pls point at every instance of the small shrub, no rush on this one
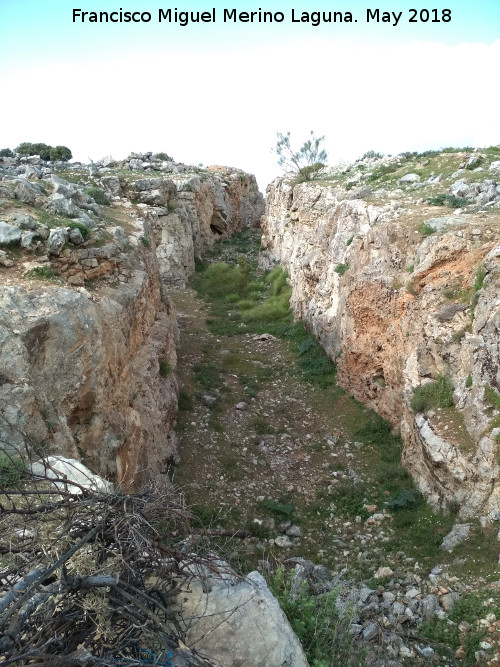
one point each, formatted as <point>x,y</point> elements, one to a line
<point>98,196</point>
<point>437,394</point>
<point>410,268</point>
<point>165,368</point>
<point>12,471</point>
<point>425,229</point>
<point>479,279</point>
<point>349,240</point>
<point>457,336</point>
<point>452,201</point>
<point>171,207</point>
<point>341,269</point>
<point>411,287</point>
<point>6,152</point>
<point>185,401</point>
<point>41,272</point>
<point>371,154</point>
<point>406,499</point>
<point>261,426</point>
<point>310,172</point>
<point>283,509</point>
<point>327,639</point>
<point>492,397</point>
<point>145,241</point>
<point>468,382</point>
<point>163,156</point>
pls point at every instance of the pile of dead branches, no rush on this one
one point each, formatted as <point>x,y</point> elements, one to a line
<point>88,577</point>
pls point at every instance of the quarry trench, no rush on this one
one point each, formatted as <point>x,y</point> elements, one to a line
<point>266,451</point>
<point>281,467</point>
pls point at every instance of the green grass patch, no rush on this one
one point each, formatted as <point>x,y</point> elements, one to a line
<point>185,401</point>
<point>479,278</point>
<point>448,200</point>
<point>208,375</point>
<point>41,273</point>
<point>327,640</point>
<point>426,230</point>
<point>280,509</point>
<point>165,368</point>
<point>492,397</point>
<point>341,269</point>
<point>12,471</point>
<point>437,394</point>
<point>470,608</point>
<point>350,500</point>
<point>98,196</point>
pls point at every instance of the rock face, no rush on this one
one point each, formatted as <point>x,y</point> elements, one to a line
<point>396,310</point>
<point>237,622</point>
<point>82,375</point>
<point>92,373</point>
<point>188,212</point>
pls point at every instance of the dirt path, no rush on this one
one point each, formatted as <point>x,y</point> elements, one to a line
<point>303,469</point>
<point>266,451</point>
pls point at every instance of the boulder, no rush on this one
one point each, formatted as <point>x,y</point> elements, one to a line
<point>410,178</point>
<point>28,238</point>
<point>112,185</point>
<point>61,205</point>
<point>75,236</point>
<point>72,470</point>
<point>26,191</point>
<point>56,241</point>
<point>460,189</point>
<point>458,534</point>
<point>24,221</point>
<point>9,233</point>
<point>237,622</point>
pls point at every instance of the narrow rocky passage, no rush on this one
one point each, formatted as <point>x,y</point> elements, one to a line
<point>305,471</point>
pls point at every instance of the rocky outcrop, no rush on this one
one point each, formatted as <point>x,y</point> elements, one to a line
<point>396,309</point>
<point>87,331</point>
<point>81,375</point>
<point>188,212</point>
<point>234,621</point>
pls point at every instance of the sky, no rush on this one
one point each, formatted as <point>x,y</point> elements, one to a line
<point>218,92</point>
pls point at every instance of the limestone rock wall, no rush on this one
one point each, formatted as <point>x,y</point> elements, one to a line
<point>80,375</point>
<point>385,304</point>
<point>87,330</point>
<point>189,211</point>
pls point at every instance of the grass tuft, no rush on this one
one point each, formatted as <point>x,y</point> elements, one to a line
<point>437,394</point>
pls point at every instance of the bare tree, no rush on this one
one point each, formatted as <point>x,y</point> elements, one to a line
<point>308,161</point>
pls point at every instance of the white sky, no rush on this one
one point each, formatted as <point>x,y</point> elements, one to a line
<point>225,108</point>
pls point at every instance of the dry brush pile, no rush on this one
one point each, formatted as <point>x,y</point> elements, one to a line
<point>90,577</point>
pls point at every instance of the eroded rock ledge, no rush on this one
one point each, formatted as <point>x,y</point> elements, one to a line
<point>87,330</point>
<point>396,309</point>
